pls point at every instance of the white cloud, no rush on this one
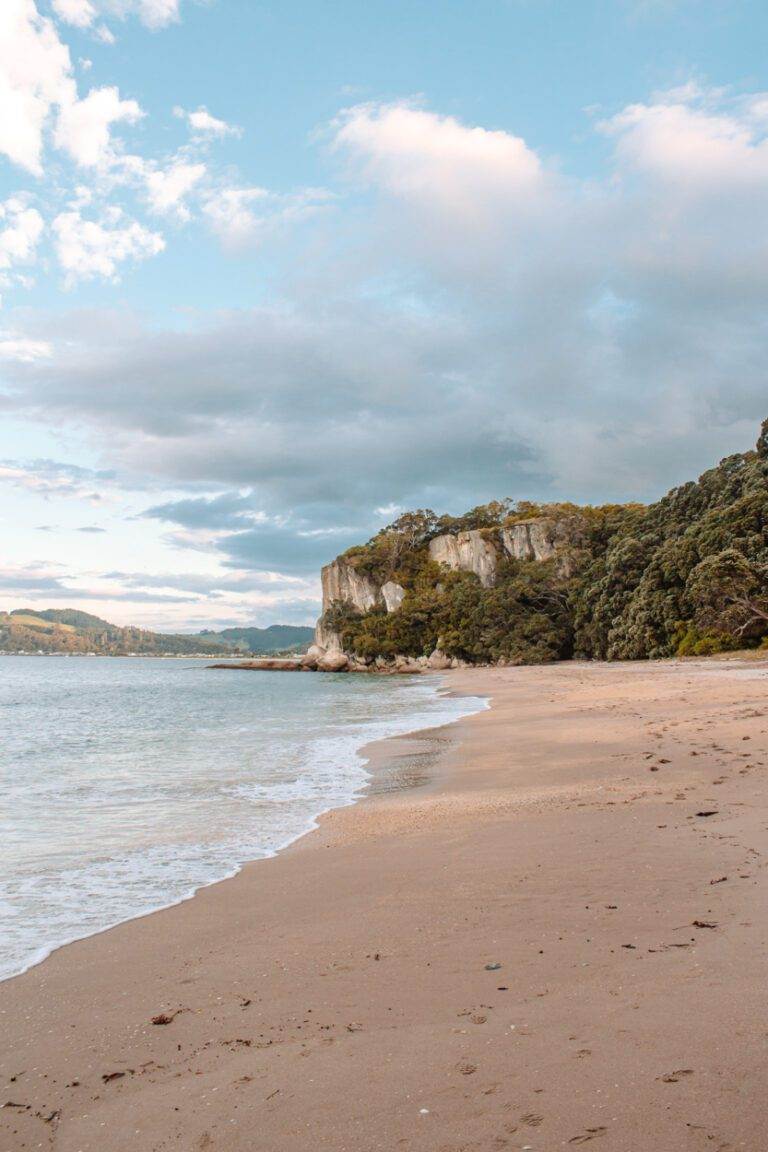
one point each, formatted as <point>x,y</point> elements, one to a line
<point>78,13</point>
<point>436,161</point>
<point>24,351</point>
<point>244,216</point>
<point>203,123</point>
<point>677,141</point>
<point>20,230</point>
<point>36,80</point>
<point>84,13</point>
<point>87,248</point>
<point>166,188</point>
<point>152,13</point>
<point>84,126</point>
<point>230,213</point>
<point>35,75</point>
<point>104,34</point>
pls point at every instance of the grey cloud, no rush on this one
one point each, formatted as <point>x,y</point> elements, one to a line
<point>285,551</point>
<point>91,528</point>
<point>203,585</point>
<point>55,477</point>
<point>289,549</point>
<point>228,510</point>
<point>37,584</point>
<point>32,583</point>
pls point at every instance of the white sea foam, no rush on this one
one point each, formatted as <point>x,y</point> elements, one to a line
<point>128,785</point>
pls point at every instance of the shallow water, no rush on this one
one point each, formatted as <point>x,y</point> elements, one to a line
<point>126,784</point>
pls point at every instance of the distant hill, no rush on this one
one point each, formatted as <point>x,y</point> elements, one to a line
<point>67,630</point>
<point>275,638</point>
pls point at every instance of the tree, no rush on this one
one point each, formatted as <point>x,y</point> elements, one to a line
<point>729,592</point>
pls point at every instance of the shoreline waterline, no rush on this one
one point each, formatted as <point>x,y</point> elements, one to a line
<point>357,781</point>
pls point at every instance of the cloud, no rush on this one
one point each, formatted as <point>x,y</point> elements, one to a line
<point>91,529</point>
<point>86,249</point>
<point>229,510</point>
<point>22,349</point>
<point>152,13</point>
<point>688,142</point>
<point>32,580</point>
<point>55,478</point>
<point>83,14</point>
<point>78,13</point>
<point>84,126</point>
<point>245,216</point>
<point>51,129</point>
<point>231,525</point>
<point>472,175</point>
<point>478,325</point>
<point>37,83</point>
<point>204,124</point>
<point>21,229</point>
<point>229,583</point>
<point>35,75</point>
<point>285,550</point>
<point>167,188</point>
<point>450,199</point>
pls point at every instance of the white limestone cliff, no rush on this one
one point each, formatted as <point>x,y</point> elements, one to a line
<point>340,581</point>
<point>392,595</point>
<point>530,540</point>
<point>466,552</point>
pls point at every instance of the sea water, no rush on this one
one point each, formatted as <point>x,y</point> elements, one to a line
<point>127,784</point>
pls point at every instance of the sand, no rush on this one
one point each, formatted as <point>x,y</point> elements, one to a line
<point>543,945</point>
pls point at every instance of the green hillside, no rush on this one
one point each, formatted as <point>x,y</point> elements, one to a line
<point>275,638</point>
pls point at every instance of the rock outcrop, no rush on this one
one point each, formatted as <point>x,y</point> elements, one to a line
<point>392,594</point>
<point>333,662</point>
<point>466,552</point>
<point>530,540</point>
<point>266,664</point>
<point>341,581</point>
<point>325,638</point>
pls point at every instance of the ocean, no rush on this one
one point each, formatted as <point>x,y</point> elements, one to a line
<point>127,784</point>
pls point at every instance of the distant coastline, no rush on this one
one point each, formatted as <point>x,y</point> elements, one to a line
<point>69,632</point>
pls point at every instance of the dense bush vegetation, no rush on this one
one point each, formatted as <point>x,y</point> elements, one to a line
<point>687,575</point>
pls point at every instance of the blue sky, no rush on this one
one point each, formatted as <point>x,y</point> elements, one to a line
<point>270,273</point>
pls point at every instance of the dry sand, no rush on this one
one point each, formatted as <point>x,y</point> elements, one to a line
<point>543,946</point>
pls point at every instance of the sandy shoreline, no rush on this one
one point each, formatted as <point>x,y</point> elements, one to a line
<point>339,996</point>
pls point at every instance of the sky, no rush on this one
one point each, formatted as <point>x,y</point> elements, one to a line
<point>272,273</point>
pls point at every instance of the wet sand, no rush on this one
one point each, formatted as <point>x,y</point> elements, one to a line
<point>542,944</point>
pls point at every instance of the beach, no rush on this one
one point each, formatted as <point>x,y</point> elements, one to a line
<point>544,926</point>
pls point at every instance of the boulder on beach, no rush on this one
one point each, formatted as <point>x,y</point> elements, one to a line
<point>438,661</point>
<point>333,662</point>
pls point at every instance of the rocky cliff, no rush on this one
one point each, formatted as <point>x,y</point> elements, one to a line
<point>342,583</point>
<point>466,552</point>
<point>527,583</point>
<point>536,539</point>
<point>475,551</point>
